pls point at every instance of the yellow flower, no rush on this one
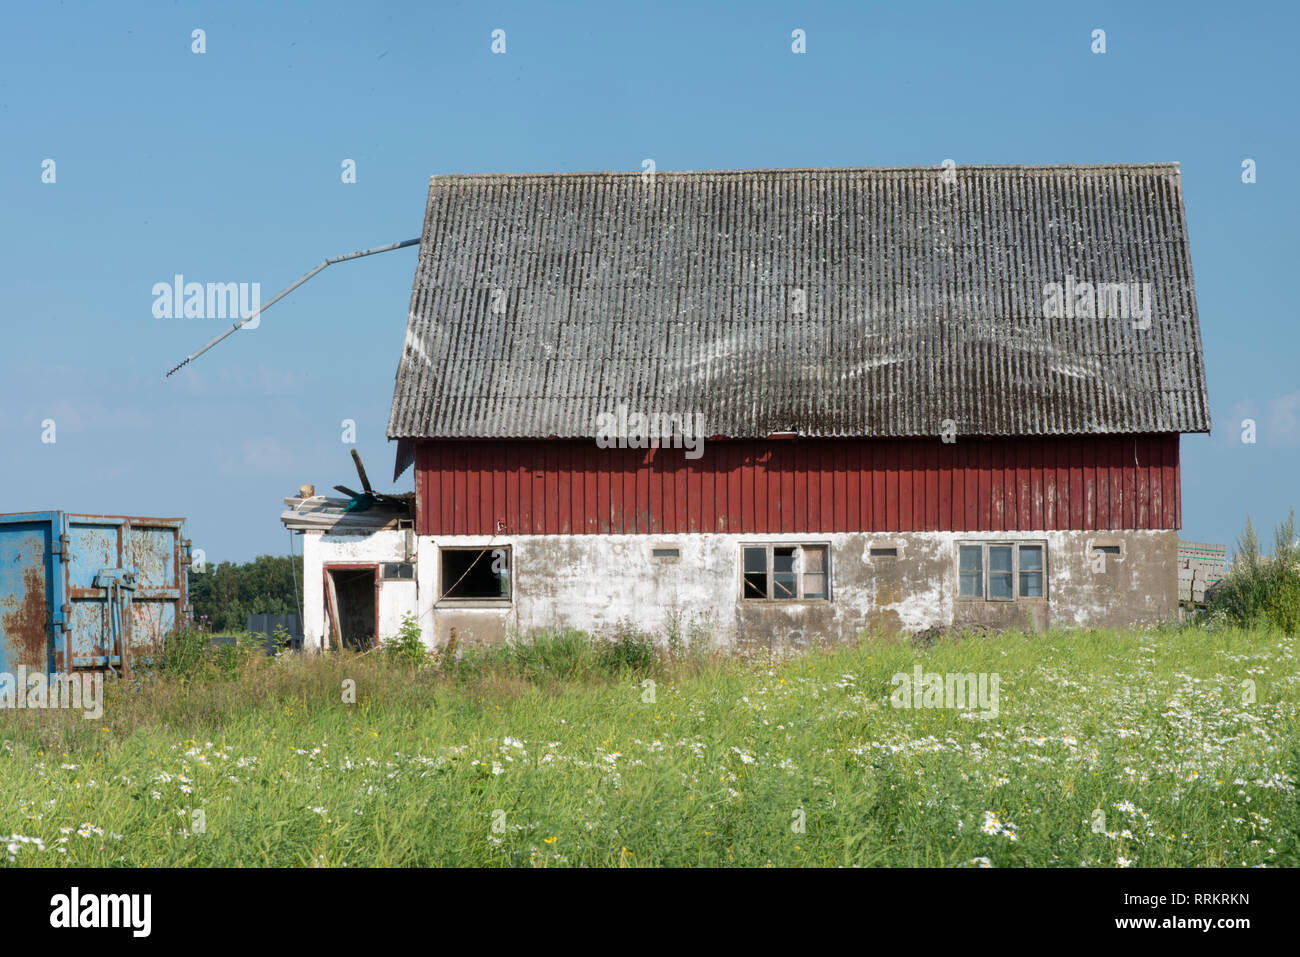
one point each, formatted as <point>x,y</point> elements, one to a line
<point>550,840</point>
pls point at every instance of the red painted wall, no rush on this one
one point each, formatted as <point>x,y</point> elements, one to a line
<point>804,485</point>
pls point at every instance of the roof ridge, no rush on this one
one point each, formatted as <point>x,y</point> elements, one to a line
<point>1168,166</point>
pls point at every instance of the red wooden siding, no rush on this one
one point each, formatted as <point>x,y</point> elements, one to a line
<point>808,485</point>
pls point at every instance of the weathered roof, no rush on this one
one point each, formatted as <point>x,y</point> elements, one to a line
<point>543,300</point>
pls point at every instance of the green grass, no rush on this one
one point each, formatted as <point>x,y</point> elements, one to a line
<point>1107,748</point>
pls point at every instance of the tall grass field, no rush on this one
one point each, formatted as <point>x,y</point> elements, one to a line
<point>1170,747</point>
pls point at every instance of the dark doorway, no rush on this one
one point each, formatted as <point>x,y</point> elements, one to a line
<point>351,601</point>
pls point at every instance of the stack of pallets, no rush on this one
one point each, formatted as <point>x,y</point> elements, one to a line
<point>1199,566</point>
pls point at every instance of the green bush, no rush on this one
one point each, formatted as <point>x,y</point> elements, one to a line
<point>184,651</point>
<point>565,654</point>
<point>630,650</point>
<point>1258,590</point>
<point>190,653</point>
<point>407,646</point>
<point>572,655</point>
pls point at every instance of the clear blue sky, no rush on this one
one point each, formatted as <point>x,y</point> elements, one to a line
<point>225,166</point>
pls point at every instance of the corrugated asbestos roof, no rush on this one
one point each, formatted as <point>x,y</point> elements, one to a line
<point>543,300</point>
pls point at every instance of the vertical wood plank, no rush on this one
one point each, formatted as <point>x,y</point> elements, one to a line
<point>906,500</point>
<point>657,483</point>
<point>996,499</point>
<point>853,496</point>
<point>813,476</point>
<point>840,489</point>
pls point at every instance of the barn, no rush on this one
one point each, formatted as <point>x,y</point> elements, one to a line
<point>784,407</point>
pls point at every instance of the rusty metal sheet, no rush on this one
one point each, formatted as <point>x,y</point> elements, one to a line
<point>135,611</point>
<point>28,598</point>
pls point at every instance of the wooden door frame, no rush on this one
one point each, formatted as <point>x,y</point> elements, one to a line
<point>331,612</point>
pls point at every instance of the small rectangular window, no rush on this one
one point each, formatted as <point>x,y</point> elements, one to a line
<point>667,554</point>
<point>1099,554</point>
<point>883,552</point>
<point>399,570</point>
<point>785,572</point>
<point>482,573</point>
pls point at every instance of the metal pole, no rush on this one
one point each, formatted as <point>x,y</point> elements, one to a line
<point>288,289</point>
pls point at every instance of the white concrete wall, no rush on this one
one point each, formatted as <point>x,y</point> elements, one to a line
<point>396,597</point>
<point>593,582</point>
<point>396,600</point>
<point>596,582</point>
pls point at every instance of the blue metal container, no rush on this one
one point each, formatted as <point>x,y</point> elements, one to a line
<point>75,590</point>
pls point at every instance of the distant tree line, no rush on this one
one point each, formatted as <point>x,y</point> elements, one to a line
<point>223,596</point>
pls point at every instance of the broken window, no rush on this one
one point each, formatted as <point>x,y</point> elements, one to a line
<point>482,573</point>
<point>755,559</point>
<point>784,578</point>
<point>1001,571</point>
<point>785,572</point>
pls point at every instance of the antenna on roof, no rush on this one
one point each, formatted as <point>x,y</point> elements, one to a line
<point>288,289</point>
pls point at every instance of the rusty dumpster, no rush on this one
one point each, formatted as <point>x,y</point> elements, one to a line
<point>77,590</point>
